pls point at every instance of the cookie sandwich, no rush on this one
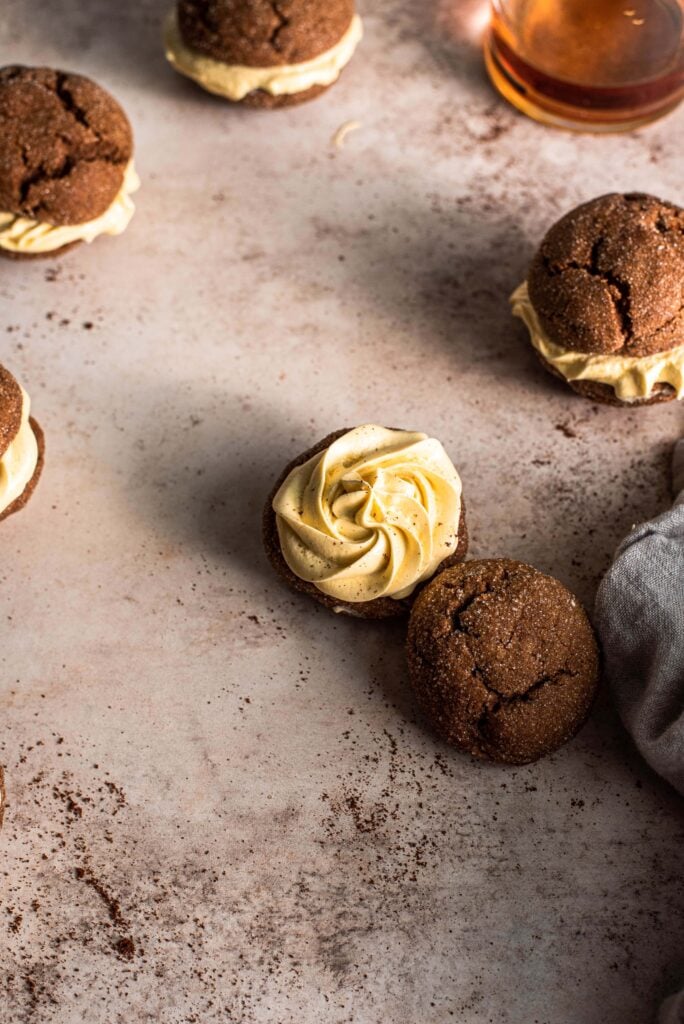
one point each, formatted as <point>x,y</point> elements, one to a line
<point>259,53</point>
<point>66,162</point>
<point>502,659</point>
<point>604,300</point>
<point>360,521</point>
<point>22,446</point>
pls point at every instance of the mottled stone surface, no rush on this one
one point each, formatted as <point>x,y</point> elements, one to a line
<point>222,803</point>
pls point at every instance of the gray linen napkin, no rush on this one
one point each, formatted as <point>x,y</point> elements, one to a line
<point>639,616</point>
<point>672,1010</point>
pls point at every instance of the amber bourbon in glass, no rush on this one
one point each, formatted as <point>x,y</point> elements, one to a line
<point>593,65</point>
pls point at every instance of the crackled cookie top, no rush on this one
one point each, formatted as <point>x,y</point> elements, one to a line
<point>262,33</point>
<point>503,659</point>
<point>609,277</point>
<point>66,144</point>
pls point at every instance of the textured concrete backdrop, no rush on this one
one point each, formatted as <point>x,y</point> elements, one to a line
<point>222,804</point>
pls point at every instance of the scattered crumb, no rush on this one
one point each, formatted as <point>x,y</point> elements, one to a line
<point>339,138</point>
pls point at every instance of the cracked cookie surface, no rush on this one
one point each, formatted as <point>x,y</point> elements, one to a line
<point>502,659</point>
<point>609,277</point>
<point>66,145</point>
<point>263,33</point>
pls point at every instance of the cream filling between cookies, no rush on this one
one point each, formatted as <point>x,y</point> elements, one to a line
<point>18,464</point>
<point>24,235</point>
<point>235,81</point>
<point>371,516</point>
<point>631,377</point>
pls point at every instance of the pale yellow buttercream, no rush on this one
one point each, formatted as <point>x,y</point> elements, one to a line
<point>235,81</point>
<point>371,516</point>
<point>19,461</point>
<point>23,235</point>
<point>631,377</point>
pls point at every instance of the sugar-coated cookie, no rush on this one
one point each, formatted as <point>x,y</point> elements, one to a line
<point>259,53</point>
<point>604,300</point>
<point>502,659</point>
<point>66,162</point>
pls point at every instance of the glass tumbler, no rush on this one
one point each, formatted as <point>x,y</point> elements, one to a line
<point>591,65</point>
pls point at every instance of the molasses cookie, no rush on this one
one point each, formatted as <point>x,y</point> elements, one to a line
<point>604,300</point>
<point>260,53</point>
<point>66,167</point>
<point>22,446</point>
<point>361,520</point>
<point>502,659</point>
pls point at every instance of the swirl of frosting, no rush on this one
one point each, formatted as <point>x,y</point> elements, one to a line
<point>371,516</point>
